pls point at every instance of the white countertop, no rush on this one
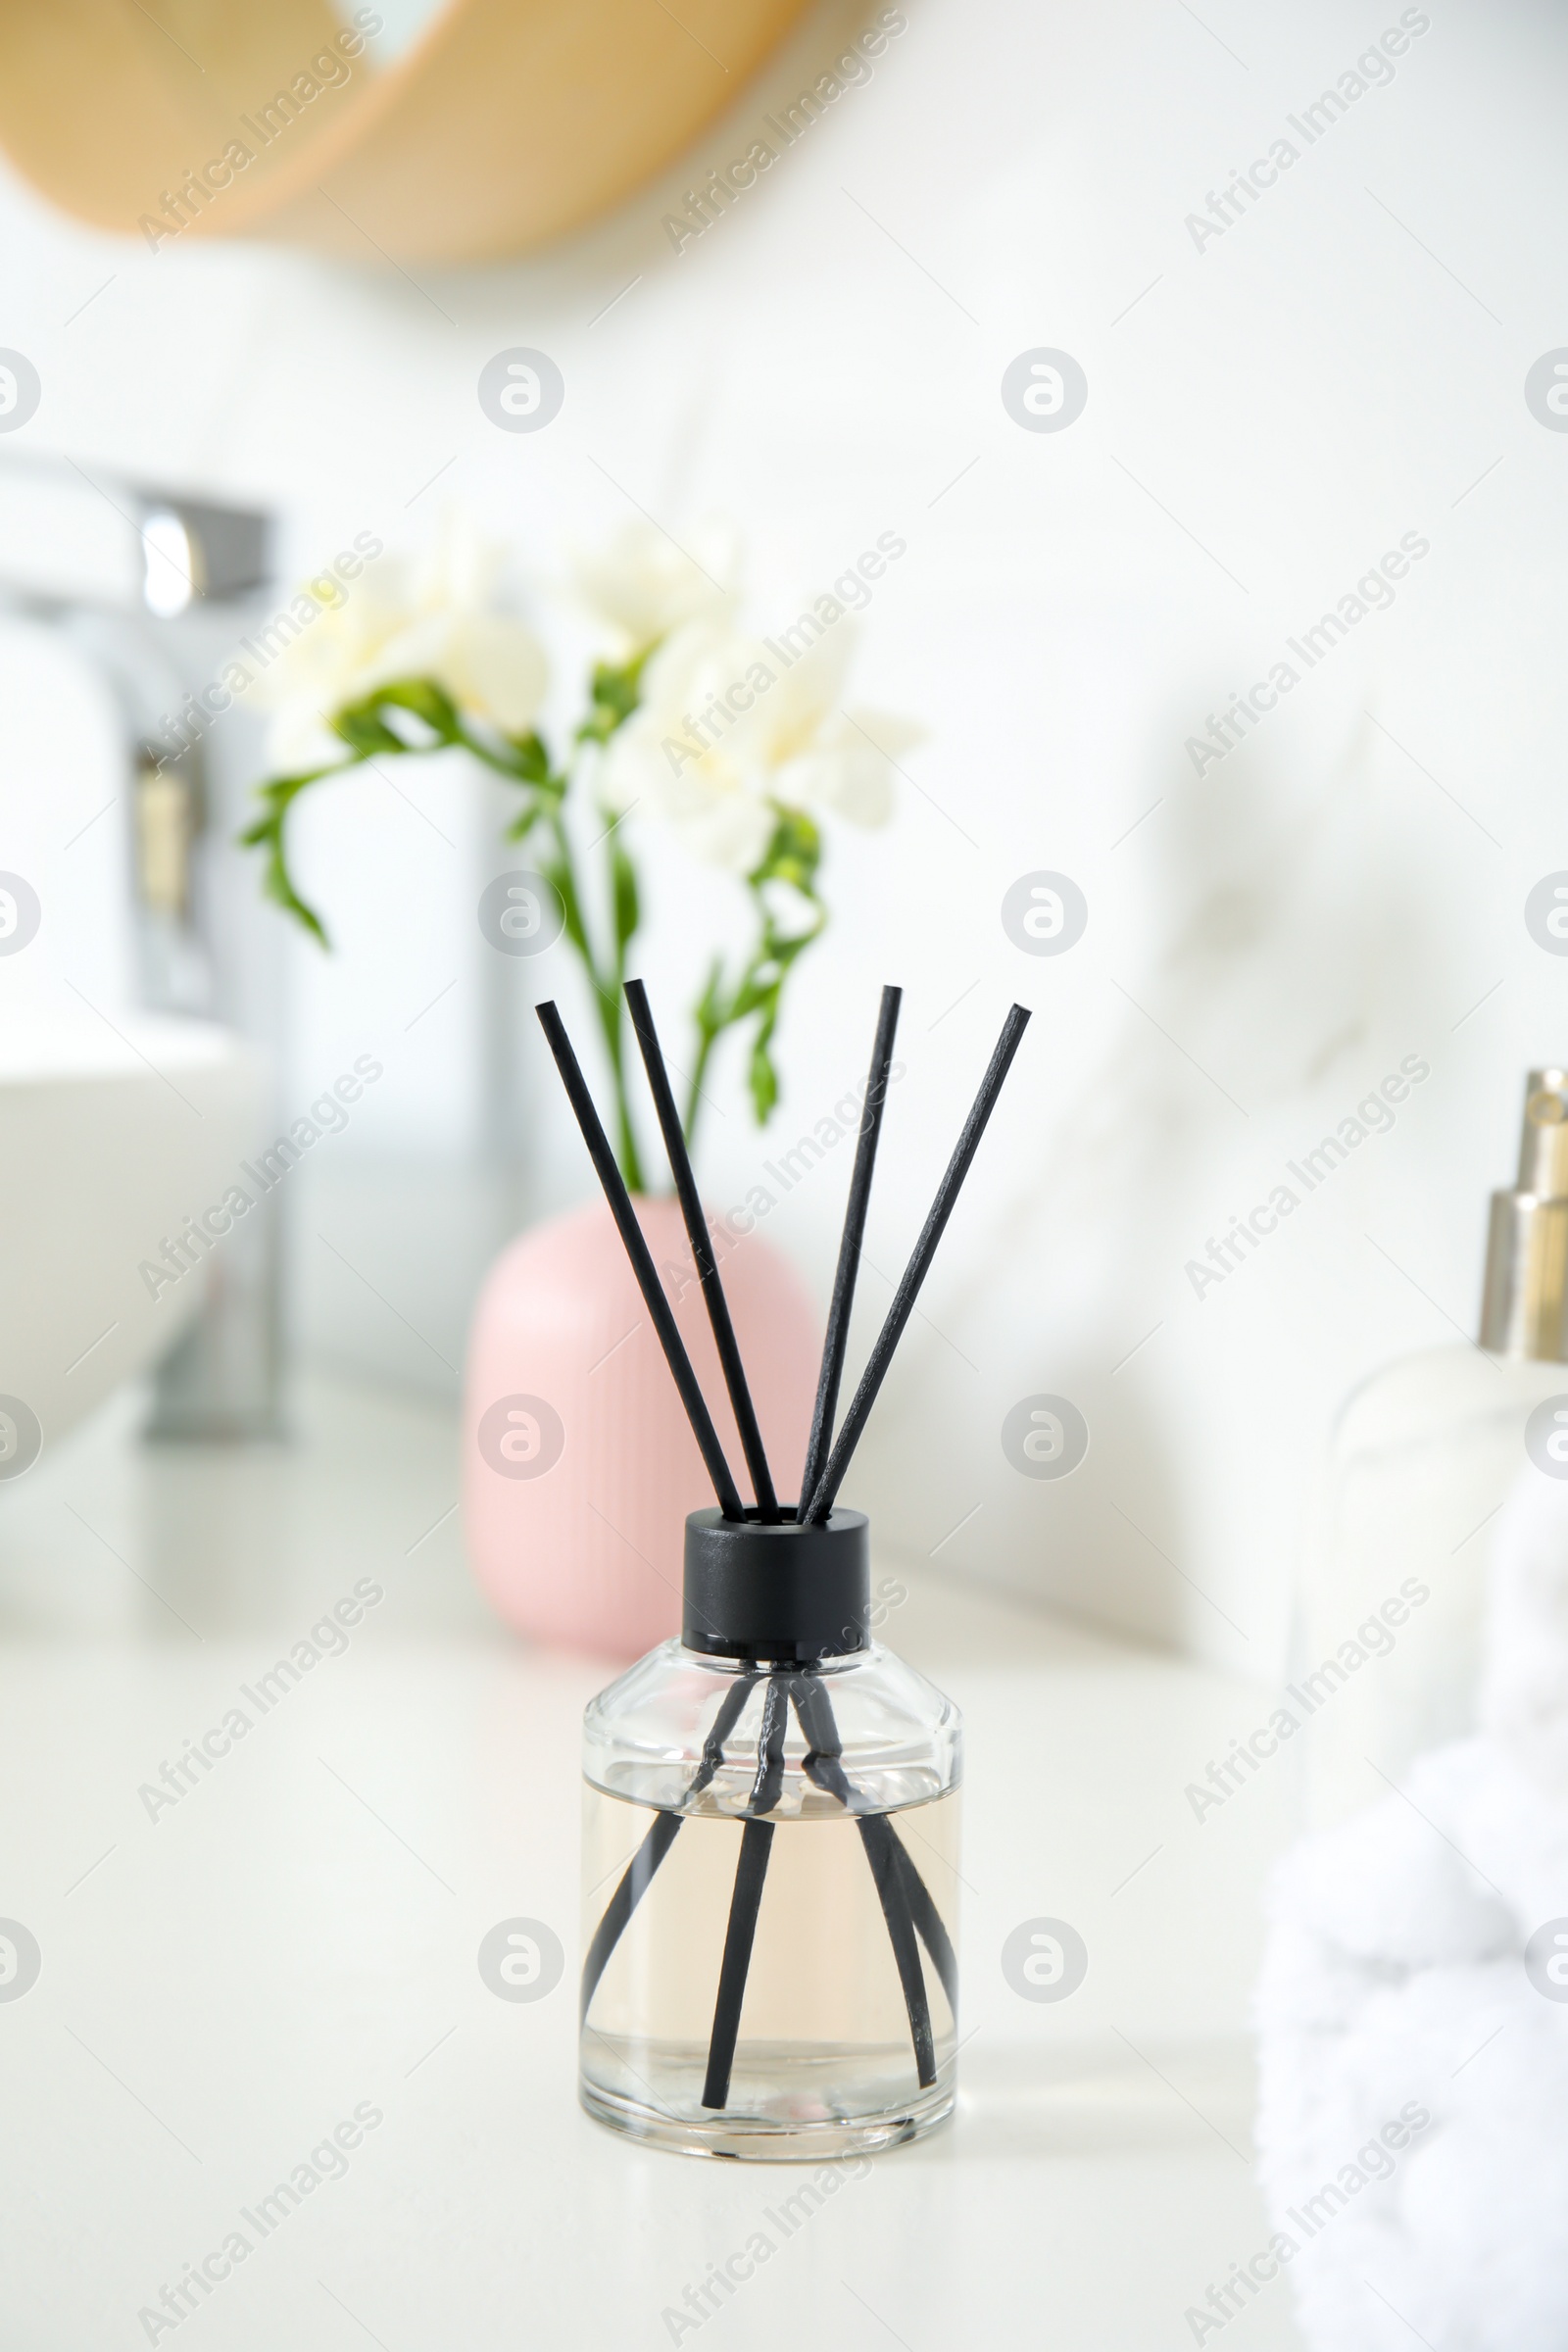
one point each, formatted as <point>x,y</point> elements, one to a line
<point>296,1938</point>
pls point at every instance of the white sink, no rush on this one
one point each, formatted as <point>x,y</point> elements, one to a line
<point>111,1136</point>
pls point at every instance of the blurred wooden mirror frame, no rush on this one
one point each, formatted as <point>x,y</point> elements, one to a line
<point>508,122</point>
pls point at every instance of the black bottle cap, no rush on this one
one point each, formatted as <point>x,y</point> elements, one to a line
<point>785,1592</point>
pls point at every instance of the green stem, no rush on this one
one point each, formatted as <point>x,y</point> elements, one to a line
<point>612,1021</point>
<point>624,913</point>
<point>793,857</point>
<point>606,986</point>
<point>605,991</point>
<point>706,1036</point>
<point>616,692</point>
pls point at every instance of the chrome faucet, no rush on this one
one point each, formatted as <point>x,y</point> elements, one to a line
<point>153,589</point>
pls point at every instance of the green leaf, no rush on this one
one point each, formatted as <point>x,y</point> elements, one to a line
<point>709,1012</point>
<point>363,725</point>
<point>366,734</point>
<point>279,888</point>
<point>523,823</point>
<point>268,833</point>
<point>762,1078</point>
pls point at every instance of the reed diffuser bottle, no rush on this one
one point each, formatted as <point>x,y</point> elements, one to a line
<point>770,1845</point>
<point>771,1803</point>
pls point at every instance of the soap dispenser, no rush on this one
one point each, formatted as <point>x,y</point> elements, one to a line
<point>1385,1651</point>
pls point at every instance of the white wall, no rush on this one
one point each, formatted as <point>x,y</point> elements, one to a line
<point>1340,367</point>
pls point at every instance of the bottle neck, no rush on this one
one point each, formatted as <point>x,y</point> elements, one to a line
<point>1523,1303</point>
<point>781,1593</point>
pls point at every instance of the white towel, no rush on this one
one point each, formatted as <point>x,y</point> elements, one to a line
<point>1395,1981</point>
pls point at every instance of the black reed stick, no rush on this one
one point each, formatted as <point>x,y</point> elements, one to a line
<point>824,1750</point>
<point>891,1868</point>
<point>876,1835</point>
<point>635,1881</point>
<point>769,1780</point>
<point>914,1273</point>
<point>638,1874</point>
<point>691,1208</point>
<point>756,1840</point>
<point>750,1874</point>
<point>822,1764</point>
<point>849,1265</point>
<point>642,1264</point>
<point>928,1919</point>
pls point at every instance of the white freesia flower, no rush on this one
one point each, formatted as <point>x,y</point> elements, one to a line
<point>644,586</point>
<point>849,772</point>
<point>728,736</point>
<point>431,616</point>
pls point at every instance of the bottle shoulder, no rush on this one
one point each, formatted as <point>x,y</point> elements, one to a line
<point>653,1734</point>
<point>1421,1396</point>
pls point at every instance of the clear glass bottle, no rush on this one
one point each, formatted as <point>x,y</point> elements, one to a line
<point>1387,1651</point>
<point>770,1854</point>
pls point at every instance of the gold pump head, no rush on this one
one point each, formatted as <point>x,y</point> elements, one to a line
<point>1523,1300</point>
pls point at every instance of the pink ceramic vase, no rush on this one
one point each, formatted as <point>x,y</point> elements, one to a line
<point>578,1465</point>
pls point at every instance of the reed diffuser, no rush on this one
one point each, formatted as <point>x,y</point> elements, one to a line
<point>770,1837</point>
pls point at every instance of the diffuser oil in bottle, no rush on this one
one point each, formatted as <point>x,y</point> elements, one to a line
<point>837,2047</point>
